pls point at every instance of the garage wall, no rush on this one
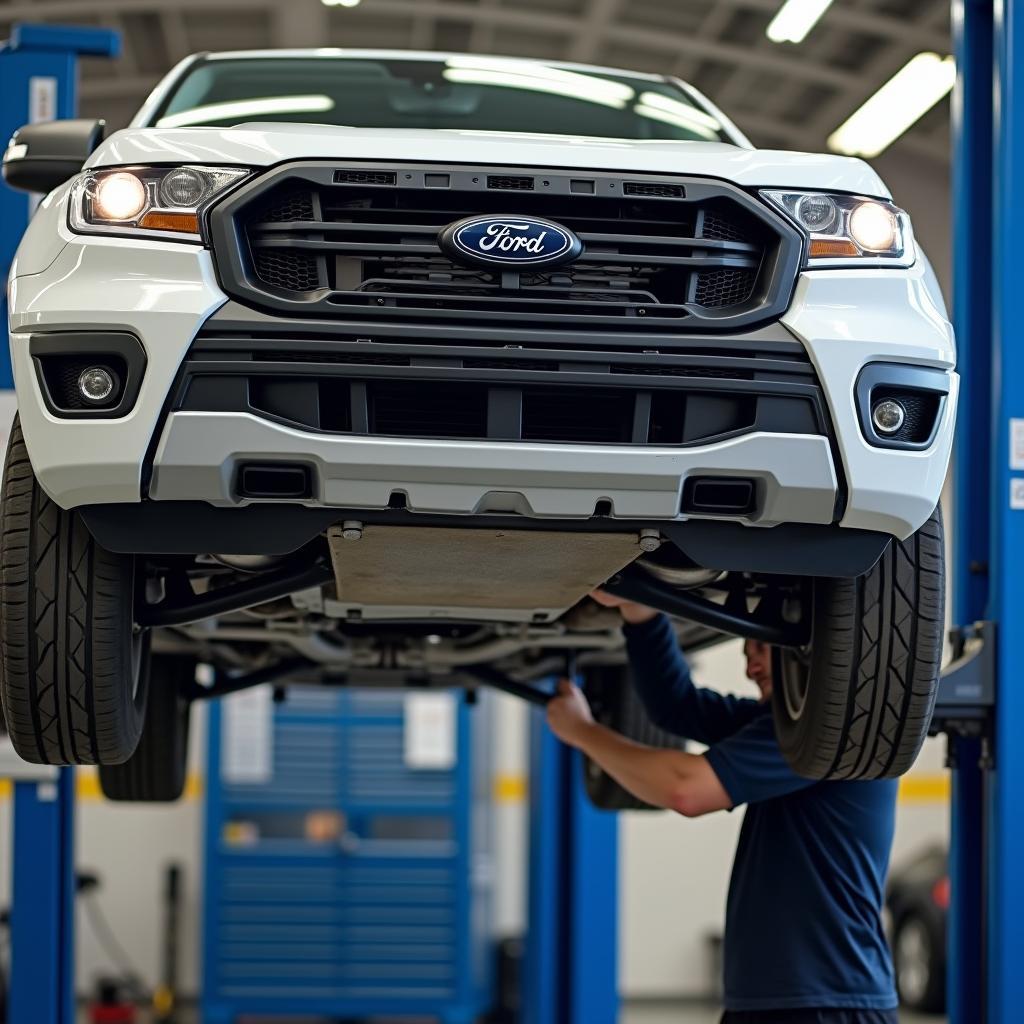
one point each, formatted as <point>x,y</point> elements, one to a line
<point>922,188</point>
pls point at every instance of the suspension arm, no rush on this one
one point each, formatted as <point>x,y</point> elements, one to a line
<point>636,585</point>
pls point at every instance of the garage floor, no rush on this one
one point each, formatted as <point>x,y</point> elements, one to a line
<point>636,1013</point>
<point>689,1013</point>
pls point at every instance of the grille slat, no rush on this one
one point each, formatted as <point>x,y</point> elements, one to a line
<point>439,389</point>
<point>397,250</point>
<point>267,233</point>
<point>664,255</point>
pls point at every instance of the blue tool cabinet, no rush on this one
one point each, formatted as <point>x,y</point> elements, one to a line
<point>386,909</point>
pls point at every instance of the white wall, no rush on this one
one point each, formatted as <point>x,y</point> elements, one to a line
<point>129,846</point>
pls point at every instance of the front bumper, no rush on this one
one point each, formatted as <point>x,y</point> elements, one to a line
<point>200,452</point>
<point>844,320</point>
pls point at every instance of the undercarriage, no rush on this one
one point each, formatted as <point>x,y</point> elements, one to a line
<point>405,605</point>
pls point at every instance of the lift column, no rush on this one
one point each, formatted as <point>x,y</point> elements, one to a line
<point>987,927</point>
<point>571,964</point>
<point>38,82</point>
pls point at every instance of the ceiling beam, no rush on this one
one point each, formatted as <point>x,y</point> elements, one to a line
<point>118,87</point>
<point>844,15</point>
<point>423,33</point>
<point>296,23</point>
<point>659,42</point>
<point>173,26</point>
<point>484,32</point>
<point>586,44</point>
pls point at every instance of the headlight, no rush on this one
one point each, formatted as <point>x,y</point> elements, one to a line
<point>844,230</point>
<point>164,201</point>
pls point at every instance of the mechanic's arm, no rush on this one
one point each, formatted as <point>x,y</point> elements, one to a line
<point>672,779</point>
<point>663,682</point>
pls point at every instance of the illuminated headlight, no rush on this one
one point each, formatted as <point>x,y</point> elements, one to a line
<point>162,201</point>
<point>844,230</point>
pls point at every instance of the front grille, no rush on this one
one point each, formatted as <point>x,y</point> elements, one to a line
<point>361,244</point>
<point>437,391</point>
<point>719,288</point>
<point>293,271</point>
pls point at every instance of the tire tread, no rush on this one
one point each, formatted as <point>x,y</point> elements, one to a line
<point>65,629</point>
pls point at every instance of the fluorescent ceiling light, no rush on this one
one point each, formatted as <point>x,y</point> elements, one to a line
<point>577,87</point>
<point>240,109</point>
<point>340,3</point>
<point>659,107</point>
<point>902,101</point>
<point>795,19</point>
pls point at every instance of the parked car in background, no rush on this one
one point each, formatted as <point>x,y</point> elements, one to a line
<point>918,903</point>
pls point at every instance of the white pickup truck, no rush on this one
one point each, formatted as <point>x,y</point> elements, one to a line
<point>372,365</point>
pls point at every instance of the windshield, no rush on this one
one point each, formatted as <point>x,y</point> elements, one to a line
<point>458,92</point>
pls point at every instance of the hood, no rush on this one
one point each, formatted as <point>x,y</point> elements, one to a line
<point>262,144</point>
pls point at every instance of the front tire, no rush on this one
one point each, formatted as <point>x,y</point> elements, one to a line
<point>73,671</point>
<point>157,771</point>
<point>857,703</point>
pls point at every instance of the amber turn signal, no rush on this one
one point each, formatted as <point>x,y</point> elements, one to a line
<point>156,220</point>
<point>826,247</point>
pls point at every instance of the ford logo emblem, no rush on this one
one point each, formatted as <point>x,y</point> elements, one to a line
<point>509,241</point>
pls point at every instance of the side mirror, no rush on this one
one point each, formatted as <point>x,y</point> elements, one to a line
<point>42,156</point>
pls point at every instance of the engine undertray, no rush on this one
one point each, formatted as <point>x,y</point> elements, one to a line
<point>538,574</point>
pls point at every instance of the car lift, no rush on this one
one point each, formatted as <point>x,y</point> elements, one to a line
<point>569,961</point>
<point>980,704</point>
<point>38,82</point>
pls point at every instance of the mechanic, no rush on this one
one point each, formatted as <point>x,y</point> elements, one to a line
<point>804,942</point>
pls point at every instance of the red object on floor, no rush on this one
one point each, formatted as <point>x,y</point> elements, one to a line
<point>123,1013</point>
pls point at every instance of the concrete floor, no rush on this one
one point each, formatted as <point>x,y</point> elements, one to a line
<point>634,1013</point>
<point>689,1013</point>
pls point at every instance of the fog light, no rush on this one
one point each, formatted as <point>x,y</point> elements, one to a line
<point>96,384</point>
<point>888,416</point>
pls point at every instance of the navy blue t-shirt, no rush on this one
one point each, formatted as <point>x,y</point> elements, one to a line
<point>803,920</point>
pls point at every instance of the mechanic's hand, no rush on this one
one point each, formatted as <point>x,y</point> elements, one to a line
<point>631,611</point>
<point>569,713</point>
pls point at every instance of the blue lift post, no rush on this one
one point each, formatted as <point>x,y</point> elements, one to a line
<point>987,847</point>
<point>571,966</point>
<point>39,81</point>
<point>42,985</point>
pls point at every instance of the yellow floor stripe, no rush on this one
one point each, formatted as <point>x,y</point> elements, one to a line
<point>87,786</point>
<point>511,789</point>
<point>925,789</point>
